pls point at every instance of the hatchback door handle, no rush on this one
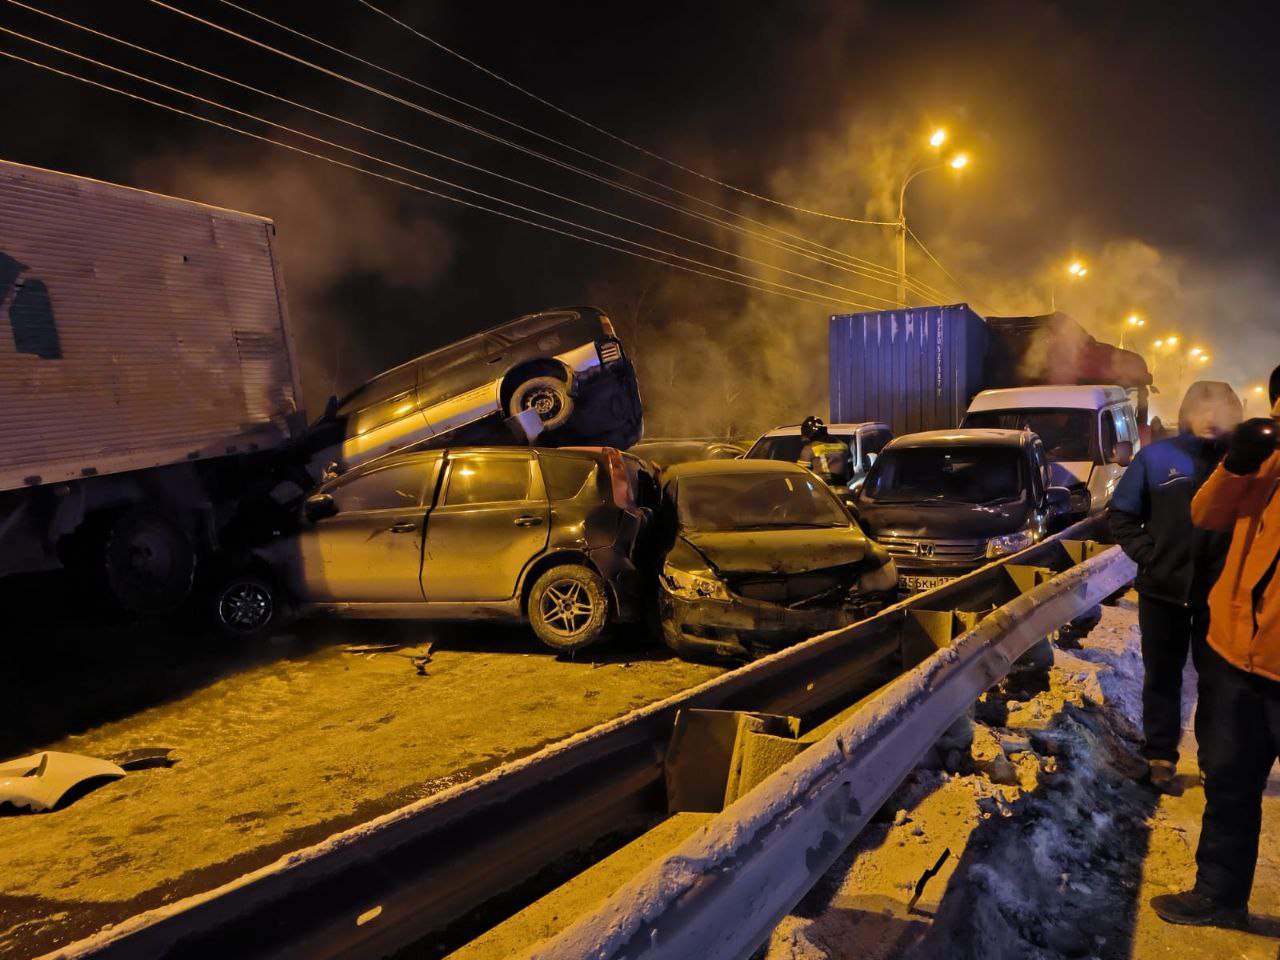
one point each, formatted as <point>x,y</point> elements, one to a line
<point>527,521</point>
<point>404,526</point>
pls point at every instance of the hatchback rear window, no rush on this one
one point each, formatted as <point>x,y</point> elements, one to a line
<point>566,476</point>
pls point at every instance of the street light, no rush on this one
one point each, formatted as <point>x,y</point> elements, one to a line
<point>1196,351</point>
<point>957,161</point>
<point>1133,322</point>
<point>1076,270</point>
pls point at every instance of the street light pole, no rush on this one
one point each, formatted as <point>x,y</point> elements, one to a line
<point>957,162</point>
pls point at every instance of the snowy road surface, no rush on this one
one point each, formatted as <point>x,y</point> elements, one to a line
<point>1054,850</point>
<point>278,748</point>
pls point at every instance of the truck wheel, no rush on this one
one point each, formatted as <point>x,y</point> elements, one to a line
<point>150,562</point>
<point>246,606</point>
<point>548,395</point>
<point>568,607</point>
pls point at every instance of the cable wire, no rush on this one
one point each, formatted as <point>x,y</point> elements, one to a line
<point>414,172</point>
<point>613,136</point>
<point>804,298</point>
<point>831,256</point>
<point>947,273</point>
<point>416,146</point>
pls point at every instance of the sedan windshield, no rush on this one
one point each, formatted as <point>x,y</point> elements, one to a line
<point>753,501</point>
<point>948,474</point>
<point>1067,434</point>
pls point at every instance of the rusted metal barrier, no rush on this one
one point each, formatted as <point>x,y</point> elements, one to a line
<point>423,870</point>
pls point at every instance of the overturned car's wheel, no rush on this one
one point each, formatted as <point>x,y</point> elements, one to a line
<point>568,607</point>
<point>246,606</point>
<point>549,396</point>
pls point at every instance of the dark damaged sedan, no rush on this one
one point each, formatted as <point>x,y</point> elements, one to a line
<point>758,554</point>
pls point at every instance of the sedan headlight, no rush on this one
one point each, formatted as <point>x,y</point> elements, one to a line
<point>1009,543</point>
<point>693,584</point>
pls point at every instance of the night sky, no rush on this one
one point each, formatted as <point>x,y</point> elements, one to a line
<point>1140,136</point>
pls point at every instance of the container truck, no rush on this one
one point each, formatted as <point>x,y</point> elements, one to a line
<point>918,369</point>
<point>146,372</point>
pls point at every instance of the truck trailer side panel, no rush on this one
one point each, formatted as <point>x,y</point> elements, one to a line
<point>915,369</point>
<point>136,330</point>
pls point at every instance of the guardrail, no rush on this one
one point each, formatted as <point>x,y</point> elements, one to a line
<point>425,869</point>
<point>720,894</point>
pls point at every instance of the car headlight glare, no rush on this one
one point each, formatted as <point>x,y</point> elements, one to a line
<point>693,584</point>
<point>1009,543</point>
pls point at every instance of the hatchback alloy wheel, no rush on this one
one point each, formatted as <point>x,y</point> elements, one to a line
<point>568,607</point>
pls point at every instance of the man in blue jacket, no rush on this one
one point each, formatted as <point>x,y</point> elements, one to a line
<point>1150,518</point>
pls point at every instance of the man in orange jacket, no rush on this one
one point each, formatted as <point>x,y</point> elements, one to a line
<point>1239,676</point>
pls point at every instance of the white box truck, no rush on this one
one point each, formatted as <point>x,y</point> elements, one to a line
<point>146,372</point>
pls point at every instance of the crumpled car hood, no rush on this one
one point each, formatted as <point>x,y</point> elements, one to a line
<point>39,781</point>
<point>780,551</point>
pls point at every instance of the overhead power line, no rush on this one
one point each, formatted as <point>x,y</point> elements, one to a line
<point>803,296</point>
<point>613,136</point>
<point>434,179</point>
<point>395,139</point>
<point>938,263</point>
<point>812,249</point>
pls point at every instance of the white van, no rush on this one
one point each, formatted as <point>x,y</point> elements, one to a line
<point>1090,433</point>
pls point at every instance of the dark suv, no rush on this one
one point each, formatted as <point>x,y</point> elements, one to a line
<point>945,502</point>
<point>546,536</point>
<point>567,364</point>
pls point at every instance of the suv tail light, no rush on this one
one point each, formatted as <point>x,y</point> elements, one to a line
<point>610,351</point>
<point>624,496</point>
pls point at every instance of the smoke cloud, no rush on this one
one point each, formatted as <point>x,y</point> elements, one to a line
<point>357,258</point>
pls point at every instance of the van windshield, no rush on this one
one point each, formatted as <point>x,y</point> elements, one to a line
<point>947,474</point>
<point>1067,433</point>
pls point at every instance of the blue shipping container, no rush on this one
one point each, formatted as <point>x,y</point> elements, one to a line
<point>915,369</point>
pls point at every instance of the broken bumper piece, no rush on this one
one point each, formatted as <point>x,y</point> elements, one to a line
<point>734,628</point>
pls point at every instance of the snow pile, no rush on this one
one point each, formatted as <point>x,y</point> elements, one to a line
<point>1043,816</point>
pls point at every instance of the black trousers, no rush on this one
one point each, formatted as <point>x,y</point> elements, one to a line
<point>1239,743</point>
<point>1169,632</point>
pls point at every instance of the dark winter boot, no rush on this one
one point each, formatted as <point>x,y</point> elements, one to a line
<point>1160,774</point>
<point>1196,909</point>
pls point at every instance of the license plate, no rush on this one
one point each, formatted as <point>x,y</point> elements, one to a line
<point>920,584</point>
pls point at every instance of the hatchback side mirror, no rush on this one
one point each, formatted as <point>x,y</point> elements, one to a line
<point>319,507</point>
<point>1122,455</point>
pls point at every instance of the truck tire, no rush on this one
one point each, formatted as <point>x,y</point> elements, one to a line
<point>246,606</point>
<point>568,607</point>
<point>548,395</point>
<point>149,562</point>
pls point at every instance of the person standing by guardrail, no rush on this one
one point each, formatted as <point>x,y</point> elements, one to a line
<point>1239,675</point>
<point>1150,518</point>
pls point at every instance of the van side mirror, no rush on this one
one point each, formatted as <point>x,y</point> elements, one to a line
<point>319,506</point>
<point>1122,455</point>
<point>1058,500</point>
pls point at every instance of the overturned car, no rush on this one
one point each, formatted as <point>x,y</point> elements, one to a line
<point>566,365</point>
<point>756,554</point>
